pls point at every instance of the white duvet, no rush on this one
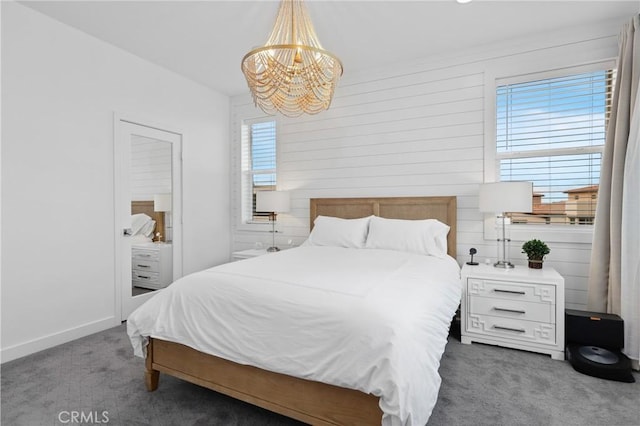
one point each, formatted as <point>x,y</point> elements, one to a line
<point>372,320</point>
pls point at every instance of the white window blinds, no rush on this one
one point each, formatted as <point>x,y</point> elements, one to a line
<point>258,165</point>
<point>551,132</point>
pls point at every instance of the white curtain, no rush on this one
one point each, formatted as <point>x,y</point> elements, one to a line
<point>630,259</point>
<point>614,276</point>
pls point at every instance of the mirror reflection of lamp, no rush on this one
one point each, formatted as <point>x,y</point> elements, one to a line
<point>162,203</point>
<point>272,202</point>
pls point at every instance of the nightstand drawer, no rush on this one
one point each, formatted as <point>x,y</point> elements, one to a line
<point>539,293</point>
<point>515,309</point>
<point>143,265</point>
<point>512,329</point>
<point>148,285</point>
<point>142,254</point>
<point>143,276</point>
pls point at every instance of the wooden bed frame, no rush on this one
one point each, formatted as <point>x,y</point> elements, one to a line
<point>308,401</point>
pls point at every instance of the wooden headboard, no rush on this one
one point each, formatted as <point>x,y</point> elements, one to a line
<point>443,209</point>
<point>146,207</point>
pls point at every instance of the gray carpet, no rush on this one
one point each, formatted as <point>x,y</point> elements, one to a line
<point>482,385</point>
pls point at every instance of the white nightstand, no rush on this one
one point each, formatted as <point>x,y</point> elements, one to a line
<point>519,308</point>
<point>246,254</point>
<point>151,265</point>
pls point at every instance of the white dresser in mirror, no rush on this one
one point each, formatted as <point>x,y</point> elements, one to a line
<point>151,265</point>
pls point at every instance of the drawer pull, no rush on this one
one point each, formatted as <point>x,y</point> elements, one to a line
<point>143,255</point>
<point>143,266</point>
<point>517,330</point>
<point>145,277</point>
<point>497,290</point>
<point>515,311</point>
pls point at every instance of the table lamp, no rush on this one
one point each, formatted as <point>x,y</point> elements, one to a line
<point>273,202</point>
<point>503,197</point>
<point>162,203</point>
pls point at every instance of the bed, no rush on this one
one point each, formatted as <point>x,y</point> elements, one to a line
<point>315,396</point>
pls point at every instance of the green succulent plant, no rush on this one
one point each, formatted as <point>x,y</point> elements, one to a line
<point>535,249</point>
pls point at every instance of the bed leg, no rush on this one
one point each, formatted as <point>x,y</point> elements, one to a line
<point>151,376</point>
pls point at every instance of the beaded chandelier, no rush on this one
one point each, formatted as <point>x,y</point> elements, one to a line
<point>292,73</point>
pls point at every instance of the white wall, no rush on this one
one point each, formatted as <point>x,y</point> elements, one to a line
<point>60,89</point>
<point>413,130</point>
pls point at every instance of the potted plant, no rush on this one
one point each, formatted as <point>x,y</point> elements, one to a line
<point>536,250</point>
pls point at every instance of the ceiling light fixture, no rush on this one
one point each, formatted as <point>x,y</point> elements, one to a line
<point>292,73</point>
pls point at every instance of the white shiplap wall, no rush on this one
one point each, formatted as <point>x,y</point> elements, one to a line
<point>414,130</point>
<point>150,168</point>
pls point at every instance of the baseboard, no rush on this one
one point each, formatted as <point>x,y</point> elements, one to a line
<point>36,345</point>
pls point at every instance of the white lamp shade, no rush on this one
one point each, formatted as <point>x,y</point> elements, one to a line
<point>162,202</point>
<point>272,201</point>
<point>500,197</point>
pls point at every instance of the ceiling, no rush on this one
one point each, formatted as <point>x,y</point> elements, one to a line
<point>206,40</point>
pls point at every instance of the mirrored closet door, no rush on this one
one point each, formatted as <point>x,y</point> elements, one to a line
<point>149,246</point>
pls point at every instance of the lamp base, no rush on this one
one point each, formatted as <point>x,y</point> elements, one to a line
<point>504,264</point>
<point>272,249</point>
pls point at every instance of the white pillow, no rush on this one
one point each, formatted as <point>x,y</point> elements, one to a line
<point>427,236</point>
<point>337,232</point>
<point>147,229</point>
<point>139,221</point>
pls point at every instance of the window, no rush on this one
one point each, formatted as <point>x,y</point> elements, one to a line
<point>551,131</point>
<point>258,165</point>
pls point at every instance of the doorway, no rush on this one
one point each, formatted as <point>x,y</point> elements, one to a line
<point>148,214</point>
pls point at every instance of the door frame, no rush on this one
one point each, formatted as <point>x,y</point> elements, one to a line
<point>120,222</point>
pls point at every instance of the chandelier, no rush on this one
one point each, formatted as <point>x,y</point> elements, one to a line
<point>292,73</point>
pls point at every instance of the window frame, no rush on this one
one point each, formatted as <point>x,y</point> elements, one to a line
<point>522,232</point>
<point>242,223</point>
